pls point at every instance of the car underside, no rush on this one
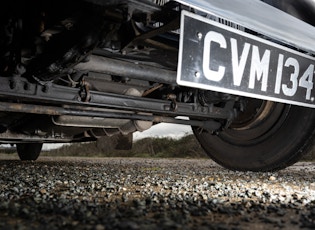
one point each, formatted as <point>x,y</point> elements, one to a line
<point>52,64</point>
<point>75,71</point>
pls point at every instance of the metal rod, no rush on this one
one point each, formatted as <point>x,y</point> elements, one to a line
<point>121,68</point>
<point>61,95</point>
<point>58,111</point>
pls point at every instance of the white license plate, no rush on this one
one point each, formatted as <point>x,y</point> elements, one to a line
<point>216,57</point>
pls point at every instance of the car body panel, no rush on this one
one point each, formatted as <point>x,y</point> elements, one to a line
<point>262,18</point>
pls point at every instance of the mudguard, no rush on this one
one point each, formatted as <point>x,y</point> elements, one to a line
<point>262,18</point>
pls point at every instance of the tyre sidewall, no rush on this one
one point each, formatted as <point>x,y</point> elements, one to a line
<point>282,148</point>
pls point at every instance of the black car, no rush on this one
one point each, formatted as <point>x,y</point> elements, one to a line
<point>78,70</point>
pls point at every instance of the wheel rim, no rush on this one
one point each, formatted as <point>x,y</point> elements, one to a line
<point>258,121</point>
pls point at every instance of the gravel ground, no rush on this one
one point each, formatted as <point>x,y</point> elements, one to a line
<point>122,193</point>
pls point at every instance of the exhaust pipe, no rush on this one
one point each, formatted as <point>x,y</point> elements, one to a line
<point>127,69</point>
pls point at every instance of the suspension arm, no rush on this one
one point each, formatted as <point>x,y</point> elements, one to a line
<point>23,91</point>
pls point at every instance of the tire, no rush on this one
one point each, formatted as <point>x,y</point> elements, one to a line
<point>267,136</point>
<point>29,151</point>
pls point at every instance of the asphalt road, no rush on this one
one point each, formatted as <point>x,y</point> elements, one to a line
<point>123,193</point>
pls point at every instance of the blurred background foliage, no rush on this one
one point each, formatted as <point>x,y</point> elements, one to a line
<point>154,147</point>
<point>186,146</point>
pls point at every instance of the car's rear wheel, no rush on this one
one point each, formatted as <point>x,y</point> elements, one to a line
<point>265,136</point>
<point>29,151</point>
